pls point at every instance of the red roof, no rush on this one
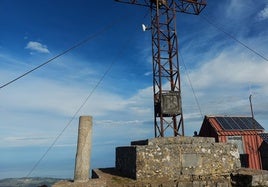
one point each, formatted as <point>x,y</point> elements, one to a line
<point>234,130</point>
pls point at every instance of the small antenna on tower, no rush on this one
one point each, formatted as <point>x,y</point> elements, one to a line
<point>145,28</point>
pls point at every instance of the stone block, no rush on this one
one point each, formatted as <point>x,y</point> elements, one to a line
<point>126,161</point>
<point>174,140</point>
<point>260,179</point>
<point>176,156</point>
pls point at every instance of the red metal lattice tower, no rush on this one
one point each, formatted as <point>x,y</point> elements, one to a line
<point>168,113</point>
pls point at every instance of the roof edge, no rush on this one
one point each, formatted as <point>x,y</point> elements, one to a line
<point>219,115</point>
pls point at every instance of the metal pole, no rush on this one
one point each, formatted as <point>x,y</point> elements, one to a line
<point>251,107</point>
<point>254,127</point>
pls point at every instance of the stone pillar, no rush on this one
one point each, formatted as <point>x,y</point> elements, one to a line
<point>83,154</point>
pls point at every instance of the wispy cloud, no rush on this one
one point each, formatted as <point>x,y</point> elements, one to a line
<point>263,14</point>
<point>37,47</point>
<point>236,9</point>
<point>222,83</point>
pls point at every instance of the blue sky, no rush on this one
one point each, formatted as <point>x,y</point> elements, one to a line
<point>35,109</point>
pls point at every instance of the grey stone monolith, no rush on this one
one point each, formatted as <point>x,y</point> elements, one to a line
<point>83,154</point>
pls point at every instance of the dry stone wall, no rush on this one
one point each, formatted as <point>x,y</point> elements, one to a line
<point>176,156</point>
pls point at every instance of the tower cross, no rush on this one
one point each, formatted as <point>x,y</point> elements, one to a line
<point>168,114</point>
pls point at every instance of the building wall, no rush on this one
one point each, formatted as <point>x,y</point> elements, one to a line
<point>264,155</point>
<point>251,141</point>
<point>208,131</point>
<point>252,144</point>
<point>250,147</point>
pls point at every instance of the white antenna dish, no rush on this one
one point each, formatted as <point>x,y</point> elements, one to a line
<point>144,28</point>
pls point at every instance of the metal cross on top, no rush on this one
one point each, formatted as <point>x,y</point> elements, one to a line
<point>168,115</point>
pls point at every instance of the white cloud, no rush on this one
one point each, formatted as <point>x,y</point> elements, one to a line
<point>148,73</point>
<point>37,47</point>
<point>263,15</point>
<point>18,140</point>
<point>222,83</point>
<point>236,9</point>
<point>225,72</point>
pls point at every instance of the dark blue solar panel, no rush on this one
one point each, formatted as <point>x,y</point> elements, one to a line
<point>254,124</point>
<point>243,123</point>
<point>249,123</point>
<point>223,123</point>
<point>239,123</point>
<point>264,136</point>
<point>232,121</point>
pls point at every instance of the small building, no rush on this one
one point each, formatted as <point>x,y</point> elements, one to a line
<point>245,132</point>
<point>264,150</point>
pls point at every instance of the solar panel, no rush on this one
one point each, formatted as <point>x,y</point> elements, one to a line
<point>248,122</point>
<point>223,123</point>
<point>233,122</point>
<point>254,124</point>
<point>264,136</point>
<point>239,123</point>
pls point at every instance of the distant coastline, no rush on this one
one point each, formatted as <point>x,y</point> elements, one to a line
<point>28,182</point>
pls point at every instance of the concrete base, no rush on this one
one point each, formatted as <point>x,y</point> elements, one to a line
<point>213,165</point>
<point>114,179</point>
<point>109,177</point>
<point>173,157</point>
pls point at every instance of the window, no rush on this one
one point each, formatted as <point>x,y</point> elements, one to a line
<point>238,141</point>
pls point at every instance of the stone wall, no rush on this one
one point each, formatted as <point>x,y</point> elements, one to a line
<point>114,180</point>
<point>249,177</point>
<point>176,156</point>
<point>173,162</point>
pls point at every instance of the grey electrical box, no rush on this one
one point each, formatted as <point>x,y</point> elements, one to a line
<point>171,103</point>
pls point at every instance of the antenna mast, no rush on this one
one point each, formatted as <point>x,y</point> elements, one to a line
<point>168,113</point>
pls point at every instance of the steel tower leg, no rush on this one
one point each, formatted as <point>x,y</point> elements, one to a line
<point>166,75</point>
